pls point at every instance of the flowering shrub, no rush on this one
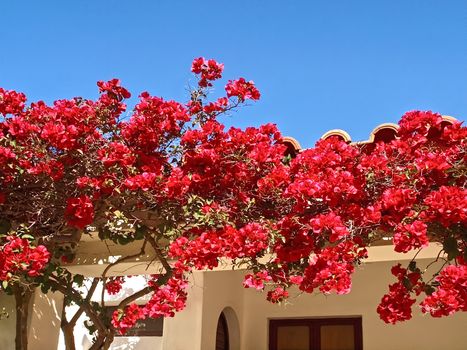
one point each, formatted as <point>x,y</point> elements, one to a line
<point>172,177</point>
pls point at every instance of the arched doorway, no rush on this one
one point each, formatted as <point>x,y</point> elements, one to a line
<point>222,333</point>
<point>228,330</point>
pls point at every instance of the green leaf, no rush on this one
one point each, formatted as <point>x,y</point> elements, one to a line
<point>450,247</point>
<point>412,266</point>
<point>103,233</point>
<point>45,288</point>
<point>122,240</point>
<point>28,237</point>
<point>140,231</point>
<point>407,284</point>
<point>429,289</point>
<point>78,279</point>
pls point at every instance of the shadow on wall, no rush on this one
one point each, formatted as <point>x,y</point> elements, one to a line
<point>124,343</point>
<point>46,311</point>
<point>137,343</point>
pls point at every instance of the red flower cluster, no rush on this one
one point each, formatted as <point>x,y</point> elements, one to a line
<point>79,211</point>
<point>330,224</point>
<point>277,295</point>
<point>114,285</point>
<point>11,102</point>
<point>125,319</point>
<point>17,257</point>
<point>169,298</point>
<point>331,269</point>
<point>397,305</point>
<point>257,280</point>
<point>410,236</point>
<point>451,295</point>
<point>113,87</point>
<point>447,205</point>
<point>247,242</point>
<point>144,181</point>
<point>217,106</point>
<point>202,252</point>
<point>208,70</point>
<point>242,89</point>
<point>205,250</point>
<point>116,153</point>
<point>154,122</point>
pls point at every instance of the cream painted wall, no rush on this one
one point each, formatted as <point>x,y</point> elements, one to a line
<point>137,343</point>
<point>369,284</point>
<point>45,319</point>
<point>222,289</point>
<point>184,331</point>
<point>7,325</point>
<point>43,324</point>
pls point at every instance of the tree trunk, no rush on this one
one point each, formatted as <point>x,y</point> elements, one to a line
<point>22,297</point>
<point>108,341</point>
<point>104,340</point>
<point>98,343</point>
<point>69,337</point>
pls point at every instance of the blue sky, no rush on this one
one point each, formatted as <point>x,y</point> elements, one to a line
<point>319,64</point>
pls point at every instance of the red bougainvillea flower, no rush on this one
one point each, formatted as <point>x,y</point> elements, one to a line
<point>122,320</point>
<point>113,87</point>
<point>277,295</point>
<point>396,306</point>
<point>79,211</point>
<point>410,236</point>
<point>257,280</point>
<point>242,89</point>
<point>11,102</point>
<point>302,219</point>
<point>169,298</point>
<point>208,70</point>
<point>18,256</point>
<point>114,285</point>
<point>451,294</point>
<point>448,205</point>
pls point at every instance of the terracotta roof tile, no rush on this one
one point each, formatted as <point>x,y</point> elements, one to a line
<point>384,132</point>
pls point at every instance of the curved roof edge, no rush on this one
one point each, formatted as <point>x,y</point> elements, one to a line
<point>383,132</point>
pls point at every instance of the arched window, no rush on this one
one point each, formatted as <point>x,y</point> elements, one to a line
<point>222,333</point>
